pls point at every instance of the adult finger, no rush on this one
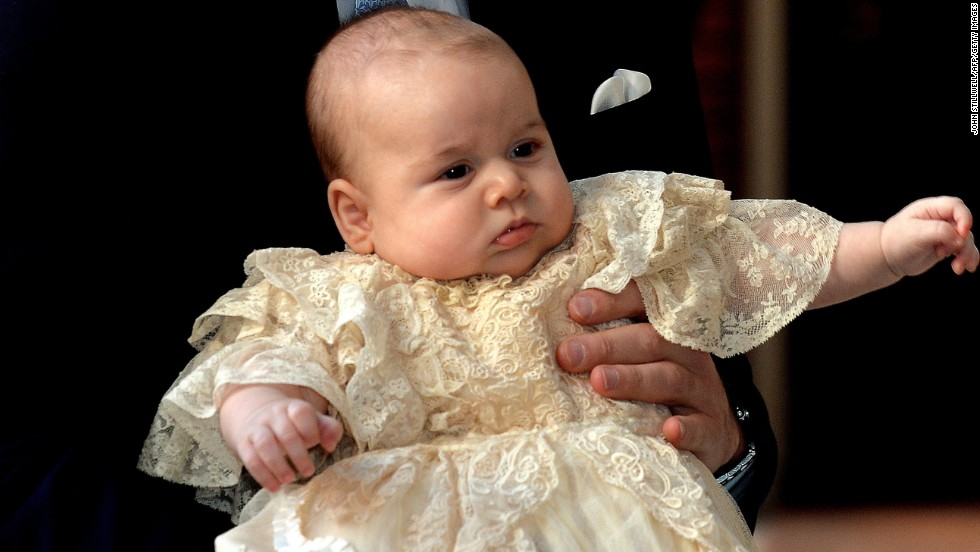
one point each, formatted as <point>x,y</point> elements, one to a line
<point>702,420</point>
<point>621,345</point>
<point>713,440</point>
<point>593,306</point>
<point>682,377</point>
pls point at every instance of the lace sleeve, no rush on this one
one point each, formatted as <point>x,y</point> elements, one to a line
<point>239,347</point>
<point>716,275</point>
<point>294,321</point>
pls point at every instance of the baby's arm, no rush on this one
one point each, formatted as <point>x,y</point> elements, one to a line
<point>873,255</point>
<point>272,428</point>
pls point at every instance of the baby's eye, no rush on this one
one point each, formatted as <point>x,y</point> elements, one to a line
<point>524,150</point>
<point>454,173</point>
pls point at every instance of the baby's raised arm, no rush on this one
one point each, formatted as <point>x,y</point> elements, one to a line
<point>272,429</point>
<point>873,255</point>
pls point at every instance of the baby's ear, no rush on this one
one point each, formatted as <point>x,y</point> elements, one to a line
<point>350,213</point>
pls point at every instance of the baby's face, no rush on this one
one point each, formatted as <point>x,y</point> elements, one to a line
<point>458,169</point>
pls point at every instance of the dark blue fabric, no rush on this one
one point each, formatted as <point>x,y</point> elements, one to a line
<point>362,7</point>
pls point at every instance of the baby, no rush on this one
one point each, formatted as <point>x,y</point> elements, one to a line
<point>422,358</point>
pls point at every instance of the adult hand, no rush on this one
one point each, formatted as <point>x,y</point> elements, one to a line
<point>634,363</point>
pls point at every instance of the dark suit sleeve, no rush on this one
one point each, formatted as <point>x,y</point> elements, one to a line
<point>752,475</point>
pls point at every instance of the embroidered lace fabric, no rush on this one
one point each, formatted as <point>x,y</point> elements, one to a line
<point>461,431</point>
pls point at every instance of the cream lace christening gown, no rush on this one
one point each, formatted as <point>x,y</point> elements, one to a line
<point>461,431</point>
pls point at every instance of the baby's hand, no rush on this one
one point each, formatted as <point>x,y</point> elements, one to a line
<point>274,441</point>
<point>927,231</point>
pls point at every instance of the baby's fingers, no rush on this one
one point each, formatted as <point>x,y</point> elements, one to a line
<point>967,257</point>
<point>264,459</point>
<point>298,432</point>
<point>962,218</point>
<point>947,208</point>
<point>331,430</point>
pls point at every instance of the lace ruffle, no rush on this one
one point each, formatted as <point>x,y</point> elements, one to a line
<point>490,493</point>
<point>716,275</point>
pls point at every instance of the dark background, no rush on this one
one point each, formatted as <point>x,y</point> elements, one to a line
<point>134,138</point>
<point>882,394</point>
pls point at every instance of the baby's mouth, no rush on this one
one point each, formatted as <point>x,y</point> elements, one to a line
<point>516,234</point>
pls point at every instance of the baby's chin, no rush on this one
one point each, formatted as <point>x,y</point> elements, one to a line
<point>515,268</point>
<point>514,263</point>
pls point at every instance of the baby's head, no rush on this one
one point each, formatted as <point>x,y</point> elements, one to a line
<point>428,130</point>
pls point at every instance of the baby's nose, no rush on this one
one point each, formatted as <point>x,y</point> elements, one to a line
<point>505,184</point>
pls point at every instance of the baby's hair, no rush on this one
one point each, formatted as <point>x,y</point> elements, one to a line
<point>395,34</point>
